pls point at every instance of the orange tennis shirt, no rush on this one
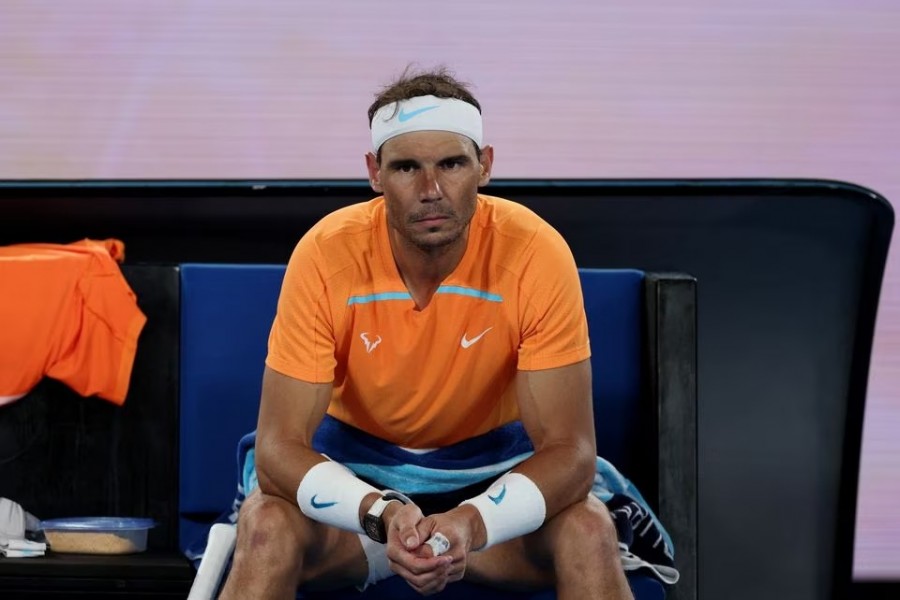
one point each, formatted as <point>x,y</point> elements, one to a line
<point>433,377</point>
<point>67,312</point>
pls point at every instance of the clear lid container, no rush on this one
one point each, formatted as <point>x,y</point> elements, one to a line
<point>97,524</point>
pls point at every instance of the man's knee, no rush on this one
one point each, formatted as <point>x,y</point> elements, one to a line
<point>269,524</point>
<point>587,527</point>
<point>277,541</point>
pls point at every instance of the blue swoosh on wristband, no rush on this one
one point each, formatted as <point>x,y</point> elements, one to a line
<point>499,497</point>
<point>320,504</point>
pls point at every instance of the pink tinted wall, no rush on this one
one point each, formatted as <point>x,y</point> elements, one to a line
<point>279,89</point>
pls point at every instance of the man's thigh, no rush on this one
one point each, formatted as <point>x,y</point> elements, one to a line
<point>524,563</point>
<point>512,565</point>
<point>337,563</point>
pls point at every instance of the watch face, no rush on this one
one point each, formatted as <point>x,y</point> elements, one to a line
<point>375,528</point>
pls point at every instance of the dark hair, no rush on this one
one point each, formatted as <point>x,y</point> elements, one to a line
<point>438,82</point>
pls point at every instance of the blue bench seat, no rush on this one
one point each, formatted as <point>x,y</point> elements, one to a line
<point>226,313</point>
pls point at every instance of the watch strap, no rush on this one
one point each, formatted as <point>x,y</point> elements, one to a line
<point>373,523</point>
<point>392,495</point>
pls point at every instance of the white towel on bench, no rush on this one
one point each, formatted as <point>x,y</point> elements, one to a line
<point>14,522</point>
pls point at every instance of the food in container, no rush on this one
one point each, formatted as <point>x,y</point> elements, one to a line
<point>97,535</point>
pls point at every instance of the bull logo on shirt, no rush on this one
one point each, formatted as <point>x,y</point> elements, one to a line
<point>370,345</point>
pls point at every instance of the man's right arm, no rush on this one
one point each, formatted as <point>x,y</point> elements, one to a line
<point>290,412</point>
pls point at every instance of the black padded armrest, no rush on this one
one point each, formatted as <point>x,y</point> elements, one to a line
<point>671,320</point>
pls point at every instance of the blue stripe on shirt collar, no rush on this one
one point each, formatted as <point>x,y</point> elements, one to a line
<point>378,297</point>
<point>444,289</point>
<point>463,291</point>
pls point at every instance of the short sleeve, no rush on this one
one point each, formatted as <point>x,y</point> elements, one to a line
<point>553,325</point>
<point>301,342</point>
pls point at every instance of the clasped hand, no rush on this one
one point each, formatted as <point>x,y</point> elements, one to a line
<point>411,558</point>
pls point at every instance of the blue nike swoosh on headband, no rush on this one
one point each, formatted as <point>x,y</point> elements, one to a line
<point>403,117</point>
<point>320,504</point>
<point>499,497</point>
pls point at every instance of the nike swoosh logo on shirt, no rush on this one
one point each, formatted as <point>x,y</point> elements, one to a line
<point>320,504</point>
<point>465,343</point>
<point>404,116</point>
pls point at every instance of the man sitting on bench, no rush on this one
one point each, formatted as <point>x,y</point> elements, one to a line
<point>436,340</point>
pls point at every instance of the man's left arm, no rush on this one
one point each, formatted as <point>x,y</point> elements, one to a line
<point>557,411</point>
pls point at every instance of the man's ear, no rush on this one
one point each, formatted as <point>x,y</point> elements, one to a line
<point>487,164</point>
<point>374,173</point>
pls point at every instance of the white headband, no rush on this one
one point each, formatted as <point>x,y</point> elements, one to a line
<point>426,113</point>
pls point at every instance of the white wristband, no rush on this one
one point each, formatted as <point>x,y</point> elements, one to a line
<point>511,507</point>
<point>330,493</point>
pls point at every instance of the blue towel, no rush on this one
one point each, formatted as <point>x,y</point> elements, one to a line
<point>643,541</point>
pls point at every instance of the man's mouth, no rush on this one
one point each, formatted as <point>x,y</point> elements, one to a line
<point>432,219</point>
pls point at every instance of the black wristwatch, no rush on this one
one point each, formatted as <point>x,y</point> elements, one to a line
<point>373,523</point>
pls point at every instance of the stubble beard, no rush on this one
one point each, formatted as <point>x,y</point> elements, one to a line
<point>427,243</point>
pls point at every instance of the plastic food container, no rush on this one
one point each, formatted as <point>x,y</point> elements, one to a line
<point>97,535</point>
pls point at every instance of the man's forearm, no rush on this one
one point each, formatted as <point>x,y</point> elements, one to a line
<point>564,472</point>
<point>519,502</point>
<point>281,465</point>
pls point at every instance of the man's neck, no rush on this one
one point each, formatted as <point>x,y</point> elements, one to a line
<point>424,269</point>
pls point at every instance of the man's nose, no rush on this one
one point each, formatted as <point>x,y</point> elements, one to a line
<point>431,187</point>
